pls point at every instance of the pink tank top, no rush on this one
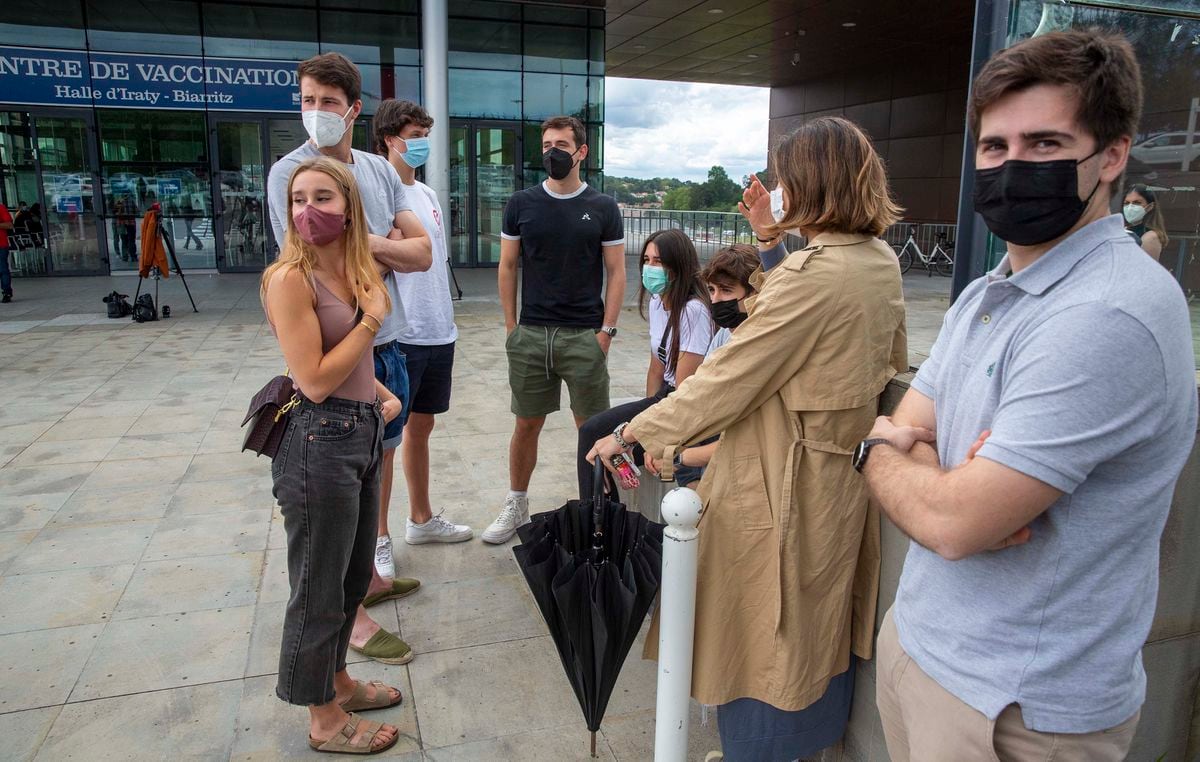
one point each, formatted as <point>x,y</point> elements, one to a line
<point>337,320</point>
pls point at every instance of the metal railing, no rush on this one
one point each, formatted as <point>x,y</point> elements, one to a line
<point>710,231</point>
<point>926,233</point>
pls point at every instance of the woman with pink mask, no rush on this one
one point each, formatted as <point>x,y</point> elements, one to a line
<point>324,299</point>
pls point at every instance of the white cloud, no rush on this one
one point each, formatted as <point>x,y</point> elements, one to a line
<point>681,129</point>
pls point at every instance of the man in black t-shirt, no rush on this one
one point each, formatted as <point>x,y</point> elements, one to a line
<point>569,240</point>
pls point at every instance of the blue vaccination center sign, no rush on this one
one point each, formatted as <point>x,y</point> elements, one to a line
<point>38,76</point>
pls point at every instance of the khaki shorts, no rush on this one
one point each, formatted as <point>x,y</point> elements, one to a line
<point>924,722</point>
<point>540,358</point>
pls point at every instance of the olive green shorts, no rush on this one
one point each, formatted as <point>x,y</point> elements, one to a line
<point>540,358</point>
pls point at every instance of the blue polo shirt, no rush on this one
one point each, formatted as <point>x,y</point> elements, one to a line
<point>1082,366</point>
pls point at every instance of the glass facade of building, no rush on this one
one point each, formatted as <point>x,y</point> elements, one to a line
<point>107,106</point>
<point>1165,156</point>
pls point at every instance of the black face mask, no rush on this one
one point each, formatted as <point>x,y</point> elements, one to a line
<point>1031,202</point>
<point>726,314</point>
<point>558,163</point>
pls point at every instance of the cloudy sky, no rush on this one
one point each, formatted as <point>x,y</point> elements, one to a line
<point>681,129</point>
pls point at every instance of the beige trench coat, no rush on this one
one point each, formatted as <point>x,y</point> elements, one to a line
<point>789,548</point>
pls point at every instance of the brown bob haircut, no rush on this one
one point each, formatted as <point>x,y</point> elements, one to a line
<point>1100,67</point>
<point>333,70</point>
<point>732,266</point>
<point>834,180</point>
<point>567,123</point>
<point>392,117</point>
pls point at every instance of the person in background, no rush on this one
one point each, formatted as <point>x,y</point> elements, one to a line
<point>1032,574</point>
<point>727,276</point>
<point>6,227</point>
<point>1144,220</point>
<point>680,332</point>
<point>325,300</point>
<point>401,131</point>
<point>570,241</point>
<point>330,101</point>
<point>789,543</point>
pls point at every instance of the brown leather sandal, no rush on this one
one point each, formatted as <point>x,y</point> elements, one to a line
<point>360,703</point>
<point>344,743</point>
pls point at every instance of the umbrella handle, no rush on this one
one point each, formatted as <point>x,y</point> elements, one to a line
<point>598,475</point>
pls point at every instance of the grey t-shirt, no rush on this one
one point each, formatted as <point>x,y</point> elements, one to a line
<point>1082,367</point>
<point>382,196</point>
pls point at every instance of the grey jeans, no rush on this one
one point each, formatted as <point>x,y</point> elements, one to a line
<point>326,478</point>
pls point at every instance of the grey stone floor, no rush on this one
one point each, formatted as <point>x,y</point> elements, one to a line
<point>142,570</point>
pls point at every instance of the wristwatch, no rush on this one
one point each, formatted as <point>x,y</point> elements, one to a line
<point>611,330</point>
<point>617,432</point>
<point>863,450</point>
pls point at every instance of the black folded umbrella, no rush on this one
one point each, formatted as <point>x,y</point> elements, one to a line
<point>594,569</point>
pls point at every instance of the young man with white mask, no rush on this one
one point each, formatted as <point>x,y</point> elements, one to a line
<point>401,130</point>
<point>1030,584</point>
<point>330,101</point>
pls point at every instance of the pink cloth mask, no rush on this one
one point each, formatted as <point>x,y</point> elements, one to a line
<point>319,227</point>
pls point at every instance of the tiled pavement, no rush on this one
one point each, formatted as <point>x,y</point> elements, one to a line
<point>142,570</point>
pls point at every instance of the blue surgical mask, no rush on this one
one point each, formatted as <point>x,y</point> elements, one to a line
<point>654,278</point>
<point>417,153</point>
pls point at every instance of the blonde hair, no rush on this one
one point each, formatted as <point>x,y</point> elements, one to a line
<point>297,254</point>
<point>835,181</point>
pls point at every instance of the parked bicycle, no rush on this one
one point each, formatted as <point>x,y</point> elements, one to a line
<point>940,260</point>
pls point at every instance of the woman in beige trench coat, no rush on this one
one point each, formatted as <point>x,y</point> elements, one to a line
<point>789,548</point>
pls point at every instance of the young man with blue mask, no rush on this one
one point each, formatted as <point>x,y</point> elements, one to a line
<point>330,101</point>
<point>401,131</point>
<point>1030,584</point>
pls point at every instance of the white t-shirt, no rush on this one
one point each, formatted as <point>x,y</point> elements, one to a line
<point>719,339</point>
<point>695,330</point>
<point>426,295</point>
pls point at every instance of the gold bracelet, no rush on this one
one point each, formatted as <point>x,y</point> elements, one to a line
<point>373,331</point>
<point>378,322</point>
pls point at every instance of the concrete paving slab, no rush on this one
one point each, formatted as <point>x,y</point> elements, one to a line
<point>61,598</point>
<point>40,667</point>
<point>98,506</point>
<point>36,480</point>
<point>187,536</point>
<point>514,687</point>
<point>140,445</point>
<point>25,731</point>
<point>87,428</point>
<point>26,512</point>
<point>196,722</point>
<point>56,453</point>
<point>169,651</point>
<point>471,612</point>
<point>224,496</point>
<point>139,472</point>
<point>190,584</point>
<point>84,546</point>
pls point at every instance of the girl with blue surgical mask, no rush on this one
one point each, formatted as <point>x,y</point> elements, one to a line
<point>674,299</point>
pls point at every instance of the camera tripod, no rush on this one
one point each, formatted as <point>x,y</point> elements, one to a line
<point>169,243</point>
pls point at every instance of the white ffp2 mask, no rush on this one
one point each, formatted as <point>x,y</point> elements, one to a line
<point>325,128</point>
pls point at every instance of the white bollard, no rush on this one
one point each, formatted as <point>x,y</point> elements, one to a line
<point>676,624</point>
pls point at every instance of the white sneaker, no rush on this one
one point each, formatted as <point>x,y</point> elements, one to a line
<point>514,514</point>
<point>385,564</point>
<point>437,529</point>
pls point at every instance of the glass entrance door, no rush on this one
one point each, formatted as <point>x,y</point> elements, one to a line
<point>19,179</point>
<point>240,207</point>
<point>484,166</point>
<point>50,160</point>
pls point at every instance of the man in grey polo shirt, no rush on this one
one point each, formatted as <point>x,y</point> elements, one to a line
<point>330,101</point>
<point>1030,584</point>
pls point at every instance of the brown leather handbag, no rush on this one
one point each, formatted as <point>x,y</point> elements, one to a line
<point>268,416</point>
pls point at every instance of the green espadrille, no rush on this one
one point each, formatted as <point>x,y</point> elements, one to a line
<point>401,587</point>
<point>386,648</point>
